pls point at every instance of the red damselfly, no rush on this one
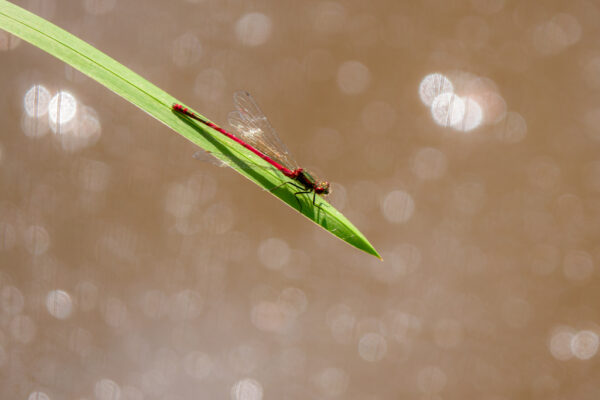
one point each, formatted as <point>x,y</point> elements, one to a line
<point>254,132</point>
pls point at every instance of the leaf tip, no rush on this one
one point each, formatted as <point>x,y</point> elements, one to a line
<point>369,249</point>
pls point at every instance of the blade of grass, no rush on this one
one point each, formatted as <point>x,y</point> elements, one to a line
<point>157,103</point>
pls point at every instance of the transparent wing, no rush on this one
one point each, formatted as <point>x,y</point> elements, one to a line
<point>252,126</point>
<point>207,157</point>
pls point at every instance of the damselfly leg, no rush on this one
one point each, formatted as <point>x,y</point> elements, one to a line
<point>301,192</point>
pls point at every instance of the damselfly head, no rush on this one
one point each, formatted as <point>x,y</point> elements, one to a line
<point>322,188</point>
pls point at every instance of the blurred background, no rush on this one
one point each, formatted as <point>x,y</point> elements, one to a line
<point>461,137</point>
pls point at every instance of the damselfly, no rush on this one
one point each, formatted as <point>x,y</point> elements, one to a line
<point>254,132</point>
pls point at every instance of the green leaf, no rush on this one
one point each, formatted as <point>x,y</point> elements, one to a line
<point>158,103</point>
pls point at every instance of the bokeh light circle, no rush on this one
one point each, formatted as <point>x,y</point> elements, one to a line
<point>353,77</point>
<point>37,101</point>
<point>432,86</point>
<point>448,109</point>
<point>64,106</point>
<point>372,347</point>
<point>59,304</point>
<point>247,389</point>
<point>253,29</point>
<point>584,344</point>
<point>398,206</point>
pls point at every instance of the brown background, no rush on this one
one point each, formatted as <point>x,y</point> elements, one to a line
<point>129,270</point>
